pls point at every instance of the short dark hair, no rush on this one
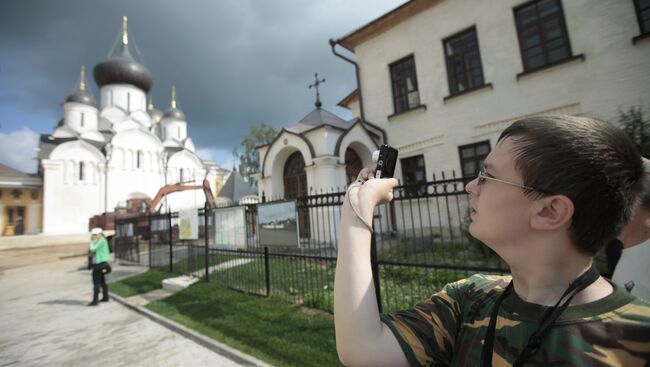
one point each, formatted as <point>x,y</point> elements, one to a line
<point>644,196</point>
<point>594,164</point>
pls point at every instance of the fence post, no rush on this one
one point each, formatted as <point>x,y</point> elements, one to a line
<point>150,239</point>
<point>267,271</point>
<point>205,235</point>
<point>171,255</point>
<point>375,268</point>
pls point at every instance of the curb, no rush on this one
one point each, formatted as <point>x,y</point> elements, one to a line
<point>203,340</point>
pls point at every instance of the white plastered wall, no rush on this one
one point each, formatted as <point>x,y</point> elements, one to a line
<point>126,96</point>
<point>124,175</point>
<point>68,200</point>
<point>80,117</point>
<point>193,174</point>
<point>276,156</point>
<point>613,75</point>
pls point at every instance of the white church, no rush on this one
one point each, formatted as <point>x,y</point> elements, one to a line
<point>100,156</point>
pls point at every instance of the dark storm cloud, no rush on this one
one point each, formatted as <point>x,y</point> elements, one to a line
<point>234,63</point>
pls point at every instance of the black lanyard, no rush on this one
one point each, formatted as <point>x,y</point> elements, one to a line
<point>550,316</point>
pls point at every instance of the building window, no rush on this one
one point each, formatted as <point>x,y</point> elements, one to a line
<point>472,157</point>
<point>414,175</point>
<point>81,171</point>
<point>179,133</point>
<point>138,159</point>
<point>181,175</point>
<point>463,58</point>
<point>82,119</point>
<point>543,38</point>
<point>643,14</point>
<point>34,194</point>
<point>16,194</point>
<point>405,84</point>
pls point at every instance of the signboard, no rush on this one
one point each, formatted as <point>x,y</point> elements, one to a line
<point>230,226</point>
<point>278,224</point>
<point>188,224</point>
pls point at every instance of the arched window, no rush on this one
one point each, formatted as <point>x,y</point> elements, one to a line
<point>81,171</point>
<point>180,180</point>
<point>82,119</point>
<point>353,165</point>
<point>138,159</point>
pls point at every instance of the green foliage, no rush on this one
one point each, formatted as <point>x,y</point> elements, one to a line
<point>637,127</point>
<point>249,161</point>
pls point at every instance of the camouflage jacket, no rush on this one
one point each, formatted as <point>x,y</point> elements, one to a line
<point>449,328</point>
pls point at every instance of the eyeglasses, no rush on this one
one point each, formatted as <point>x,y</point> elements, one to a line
<point>482,177</point>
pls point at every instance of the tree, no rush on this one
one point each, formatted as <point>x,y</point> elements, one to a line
<point>249,160</point>
<point>637,127</point>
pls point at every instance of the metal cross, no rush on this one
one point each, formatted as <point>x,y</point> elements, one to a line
<point>315,85</point>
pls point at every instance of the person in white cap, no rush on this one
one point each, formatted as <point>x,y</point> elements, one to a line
<point>99,247</point>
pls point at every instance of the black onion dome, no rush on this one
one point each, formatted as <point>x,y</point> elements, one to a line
<point>174,113</point>
<point>81,96</point>
<point>123,69</point>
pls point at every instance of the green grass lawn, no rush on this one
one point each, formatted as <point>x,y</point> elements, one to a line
<point>267,328</point>
<point>141,283</point>
<point>270,329</point>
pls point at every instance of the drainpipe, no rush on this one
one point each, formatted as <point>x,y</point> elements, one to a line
<point>333,44</point>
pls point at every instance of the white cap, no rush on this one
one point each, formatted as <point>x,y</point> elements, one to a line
<point>96,230</point>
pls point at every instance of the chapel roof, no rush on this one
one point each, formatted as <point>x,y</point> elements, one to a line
<point>318,117</point>
<point>236,188</point>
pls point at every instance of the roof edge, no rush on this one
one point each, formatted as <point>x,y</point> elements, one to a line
<point>351,40</point>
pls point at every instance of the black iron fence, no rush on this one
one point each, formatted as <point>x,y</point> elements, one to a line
<point>419,245</point>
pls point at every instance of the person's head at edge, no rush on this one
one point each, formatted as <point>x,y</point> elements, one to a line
<point>96,233</point>
<point>637,230</point>
<point>575,182</point>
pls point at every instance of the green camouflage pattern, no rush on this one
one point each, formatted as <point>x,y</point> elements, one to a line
<point>449,328</point>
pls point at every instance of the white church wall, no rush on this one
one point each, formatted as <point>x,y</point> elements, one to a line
<point>276,158</point>
<point>125,96</point>
<point>193,173</point>
<point>173,128</point>
<point>126,124</point>
<point>71,198</point>
<point>613,74</point>
<point>142,118</point>
<point>114,114</point>
<point>359,140</point>
<point>80,117</point>
<point>125,176</point>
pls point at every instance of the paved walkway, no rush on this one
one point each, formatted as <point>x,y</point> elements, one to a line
<point>44,321</point>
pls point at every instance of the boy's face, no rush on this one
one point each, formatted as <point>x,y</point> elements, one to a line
<point>501,212</point>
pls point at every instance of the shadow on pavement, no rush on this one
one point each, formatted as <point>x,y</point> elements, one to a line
<point>67,302</point>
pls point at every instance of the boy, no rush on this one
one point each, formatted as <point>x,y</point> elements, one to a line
<point>553,191</point>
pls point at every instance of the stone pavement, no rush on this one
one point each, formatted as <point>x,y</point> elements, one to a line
<point>44,320</point>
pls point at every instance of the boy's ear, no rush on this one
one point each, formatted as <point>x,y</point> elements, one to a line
<point>553,212</point>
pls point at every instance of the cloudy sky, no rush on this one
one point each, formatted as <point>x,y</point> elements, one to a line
<point>234,62</point>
